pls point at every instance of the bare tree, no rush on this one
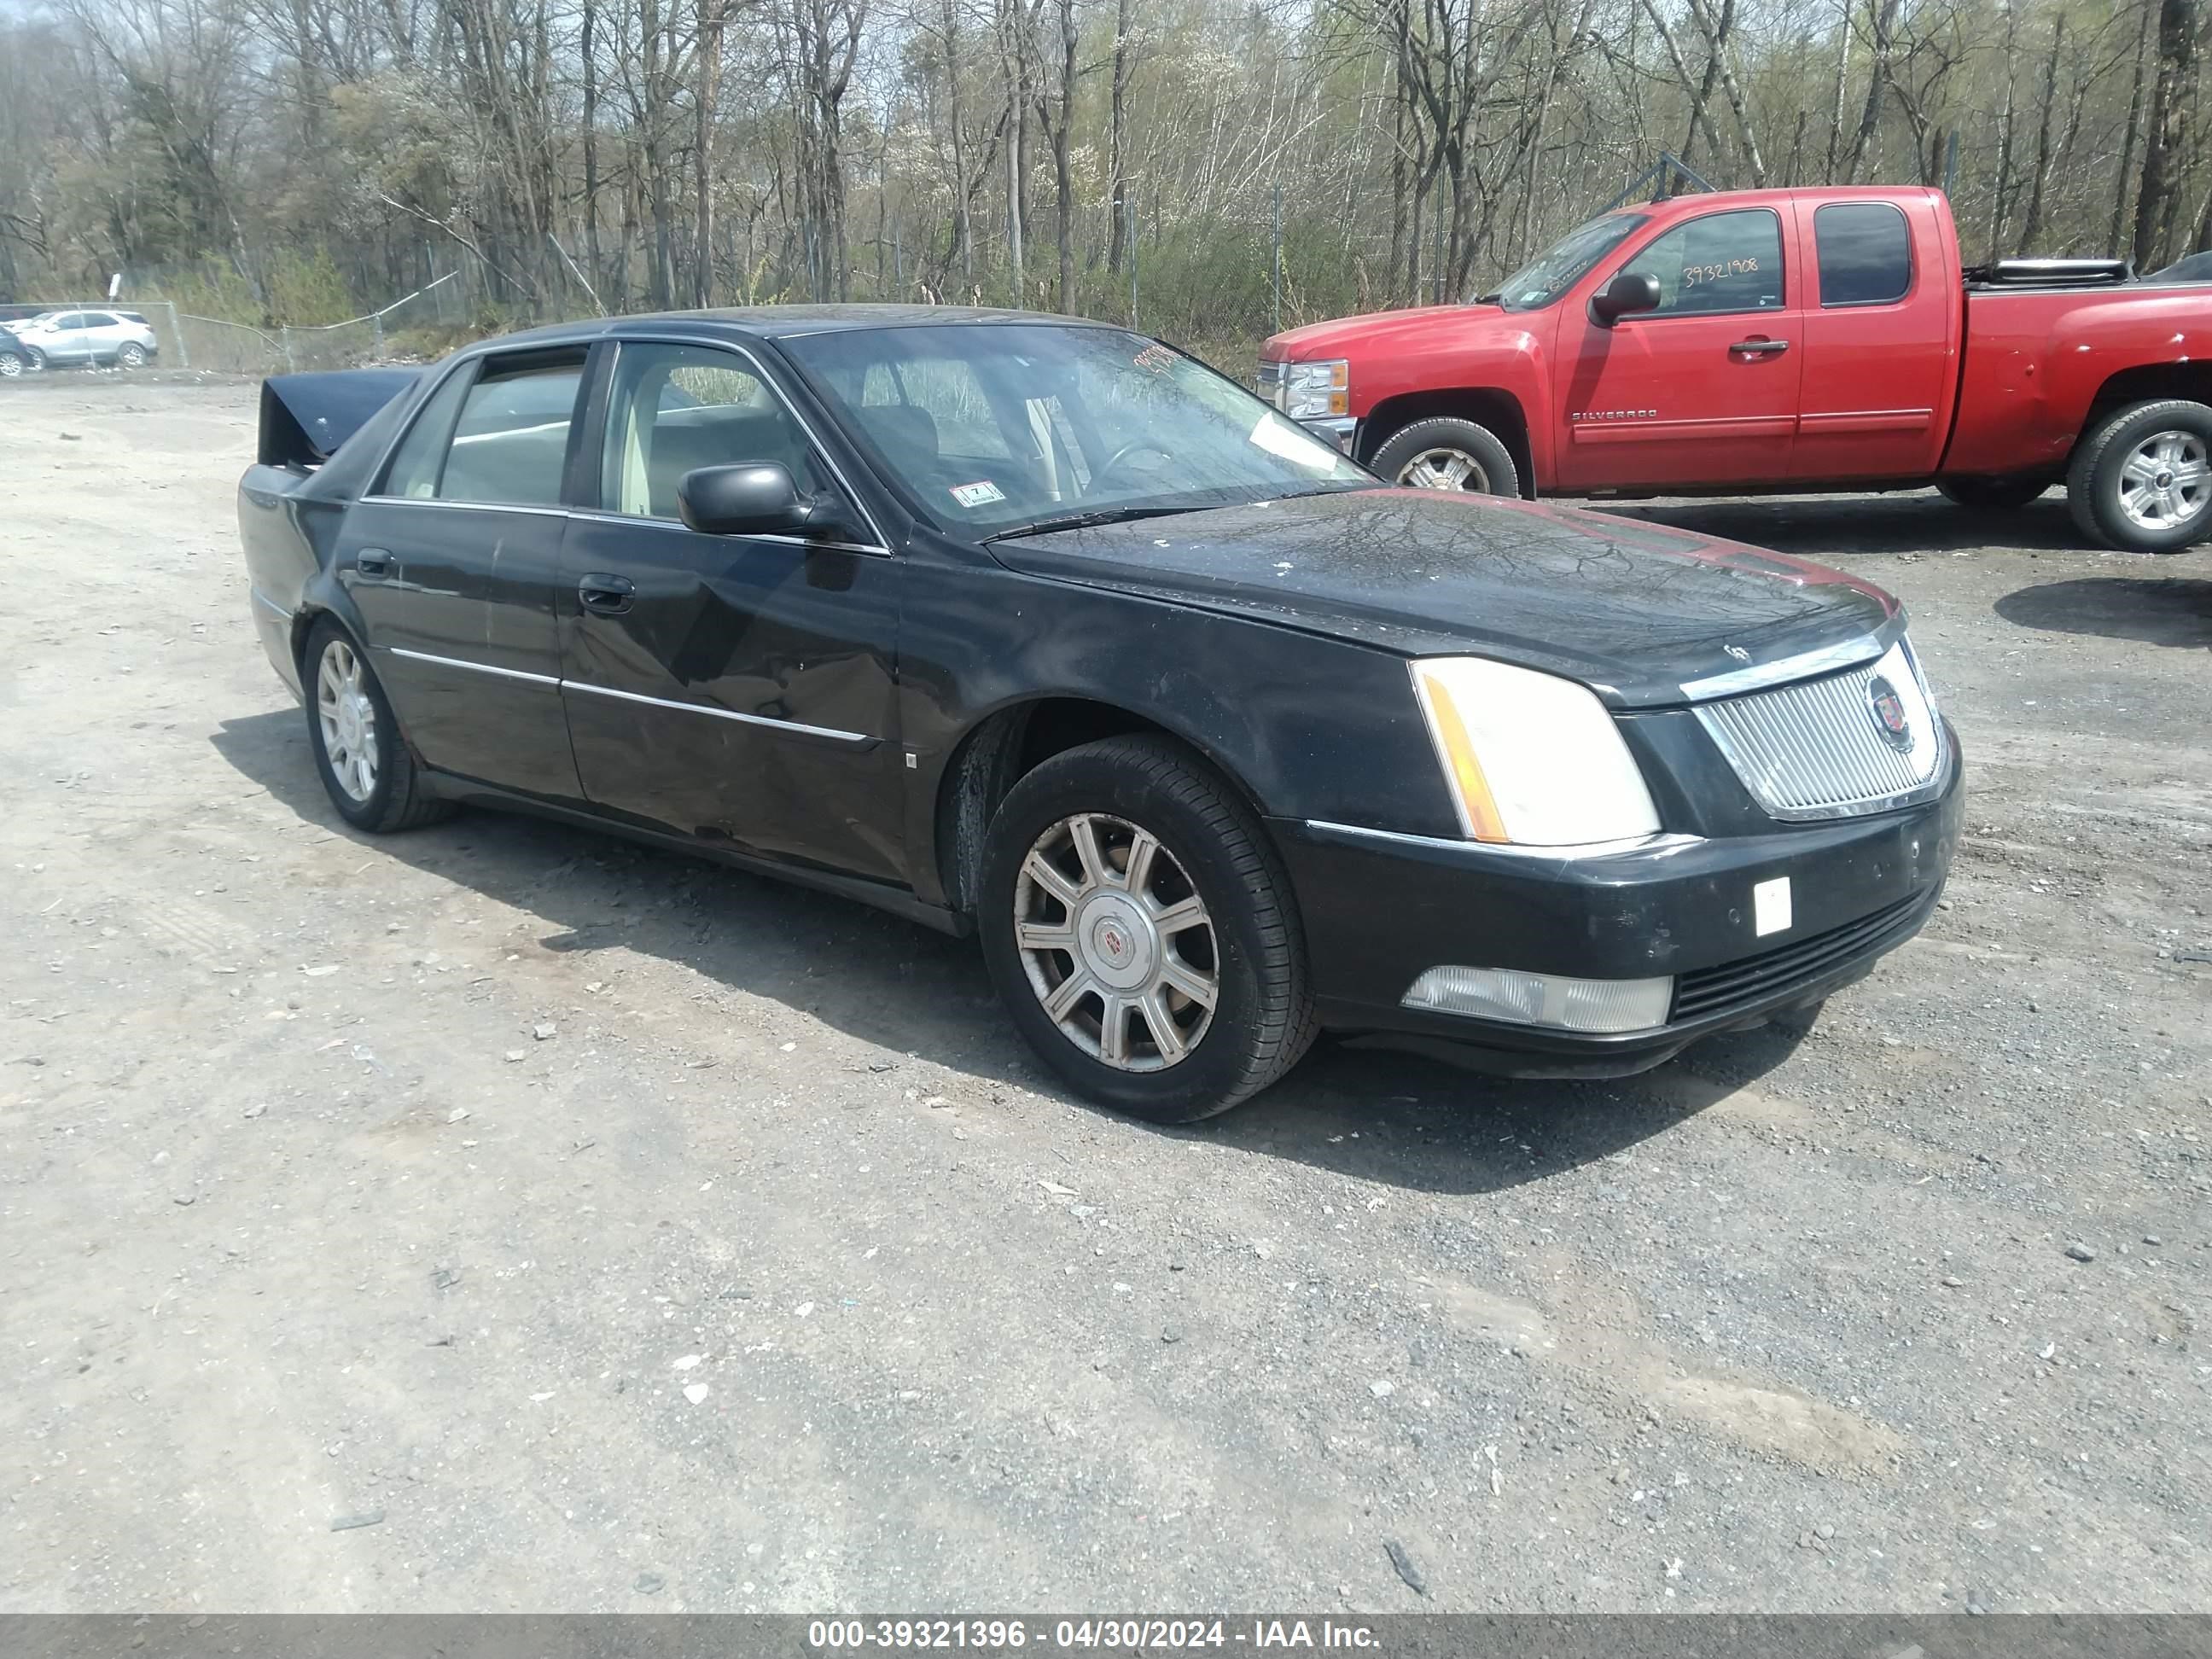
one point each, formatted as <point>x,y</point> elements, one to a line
<point>2167,135</point>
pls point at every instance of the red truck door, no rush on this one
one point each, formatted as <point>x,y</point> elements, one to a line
<point>1882,329</point>
<point>1704,389</point>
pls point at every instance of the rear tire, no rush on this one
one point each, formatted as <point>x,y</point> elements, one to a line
<point>1993,495</point>
<point>132,356</point>
<point>1067,908</point>
<point>12,366</point>
<point>1446,452</point>
<point>367,767</point>
<point>2142,479</point>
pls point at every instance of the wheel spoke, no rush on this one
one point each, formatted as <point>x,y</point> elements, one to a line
<point>2140,468</point>
<point>1177,974</point>
<point>1113,1030</point>
<point>1084,832</point>
<point>1065,995</point>
<point>1167,1036</point>
<point>1183,914</point>
<point>1140,871</point>
<point>1047,875</point>
<point>1041,935</point>
<point>364,776</point>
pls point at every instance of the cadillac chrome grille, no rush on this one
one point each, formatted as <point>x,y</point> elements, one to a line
<point>1862,741</point>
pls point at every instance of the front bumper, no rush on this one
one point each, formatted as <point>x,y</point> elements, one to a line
<point>1380,909</point>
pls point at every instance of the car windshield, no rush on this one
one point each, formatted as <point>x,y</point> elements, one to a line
<point>998,428</point>
<point>1557,269</point>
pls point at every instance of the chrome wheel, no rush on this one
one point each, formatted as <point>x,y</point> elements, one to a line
<point>2166,481</point>
<point>346,714</point>
<point>1444,469</point>
<point>11,366</point>
<point>1116,942</point>
<point>133,355</point>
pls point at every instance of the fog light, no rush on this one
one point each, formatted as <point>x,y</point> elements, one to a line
<point>1570,1004</point>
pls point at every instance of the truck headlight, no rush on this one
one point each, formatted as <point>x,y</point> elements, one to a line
<point>1530,758</point>
<point>1312,390</point>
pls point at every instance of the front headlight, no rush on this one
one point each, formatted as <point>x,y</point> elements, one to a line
<point>1530,758</point>
<point>1312,390</point>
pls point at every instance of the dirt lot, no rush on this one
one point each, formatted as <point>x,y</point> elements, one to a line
<point>621,1232</point>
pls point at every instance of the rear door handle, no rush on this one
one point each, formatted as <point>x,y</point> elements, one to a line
<point>607,595</point>
<point>1761,347</point>
<point>375,564</point>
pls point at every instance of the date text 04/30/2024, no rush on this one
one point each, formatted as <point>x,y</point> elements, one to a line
<point>1084,1634</point>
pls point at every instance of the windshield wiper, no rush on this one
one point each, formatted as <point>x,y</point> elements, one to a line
<point>1489,299</point>
<point>1086,521</point>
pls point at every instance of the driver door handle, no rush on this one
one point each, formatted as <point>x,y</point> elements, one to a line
<point>605,595</point>
<point>1761,347</point>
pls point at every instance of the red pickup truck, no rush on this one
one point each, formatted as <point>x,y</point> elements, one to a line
<point>1784,341</point>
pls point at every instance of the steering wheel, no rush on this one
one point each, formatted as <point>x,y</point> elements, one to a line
<point>1135,447</point>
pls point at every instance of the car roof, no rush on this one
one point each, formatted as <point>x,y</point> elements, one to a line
<point>788,322</point>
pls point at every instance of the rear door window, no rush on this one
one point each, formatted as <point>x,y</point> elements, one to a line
<point>510,446</point>
<point>1865,251</point>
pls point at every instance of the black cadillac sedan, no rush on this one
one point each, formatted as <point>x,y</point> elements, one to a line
<point>1041,630</point>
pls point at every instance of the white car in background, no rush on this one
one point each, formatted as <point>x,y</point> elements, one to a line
<point>89,336</point>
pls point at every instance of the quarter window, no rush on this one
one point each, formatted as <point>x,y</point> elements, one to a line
<point>674,407</point>
<point>1723,262</point>
<point>421,454</point>
<point>1865,252</point>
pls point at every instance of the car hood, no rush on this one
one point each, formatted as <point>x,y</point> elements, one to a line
<point>1374,331</point>
<point>1634,610</point>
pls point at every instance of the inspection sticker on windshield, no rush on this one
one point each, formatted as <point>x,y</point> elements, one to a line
<point>982,493</point>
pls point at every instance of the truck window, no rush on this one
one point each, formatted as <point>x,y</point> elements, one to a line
<point>1723,262</point>
<point>1865,251</point>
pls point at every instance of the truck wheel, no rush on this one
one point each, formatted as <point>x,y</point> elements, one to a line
<point>2143,478</point>
<point>1141,931</point>
<point>1993,495</point>
<point>1447,454</point>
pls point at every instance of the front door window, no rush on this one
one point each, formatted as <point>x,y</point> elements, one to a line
<point>1724,262</point>
<point>676,408</point>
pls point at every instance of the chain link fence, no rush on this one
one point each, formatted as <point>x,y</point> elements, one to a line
<point>408,328</point>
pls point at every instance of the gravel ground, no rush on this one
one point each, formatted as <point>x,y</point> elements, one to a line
<point>604,1231</point>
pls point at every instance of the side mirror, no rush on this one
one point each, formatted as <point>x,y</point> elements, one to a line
<point>1630,292</point>
<point>756,498</point>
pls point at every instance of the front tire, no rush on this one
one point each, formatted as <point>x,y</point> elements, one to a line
<point>1141,931</point>
<point>1449,453</point>
<point>367,768</point>
<point>1992,495</point>
<point>2143,478</point>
